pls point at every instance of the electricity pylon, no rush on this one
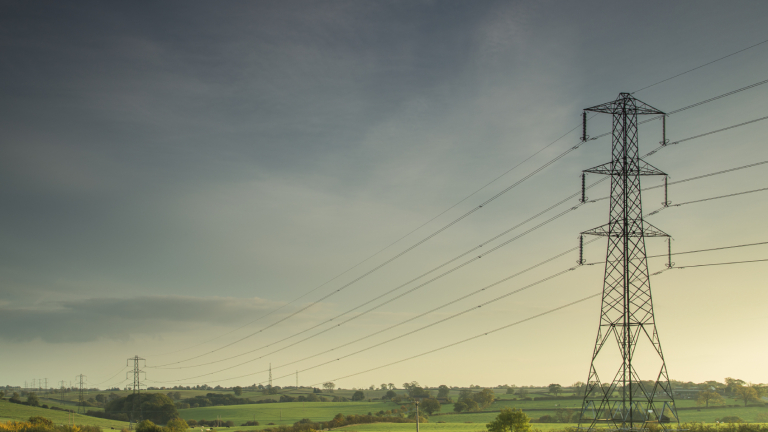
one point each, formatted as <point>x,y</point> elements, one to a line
<point>136,386</point>
<point>81,394</point>
<point>626,315</point>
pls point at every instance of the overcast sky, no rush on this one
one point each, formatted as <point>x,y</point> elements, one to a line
<point>175,175</point>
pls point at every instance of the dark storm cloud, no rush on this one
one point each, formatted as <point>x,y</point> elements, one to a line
<point>120,319</point>
<point>279,83</point>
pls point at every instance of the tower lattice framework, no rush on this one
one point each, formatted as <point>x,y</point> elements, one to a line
<point>81,394</point>
<point>628,386</point>
<point>136,409</point>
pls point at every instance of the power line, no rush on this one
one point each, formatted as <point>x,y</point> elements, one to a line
<point>110,378</point>
<point>428,312</point>
<point>707,134</point>
<point>709,175</point>
<point>719,264</point>
<point>437,349</point>
<point>491,331</point>
<point>471,338</point>
<point>701,66</point>
<point>471,260</point>
<point>456,268</point>
<point>708,199</point>
<point>435,233</point>
<point>712,249</point>
<point>699,177</point>
<point>721,196</point>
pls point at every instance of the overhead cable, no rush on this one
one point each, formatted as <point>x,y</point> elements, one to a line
<point>701,66</point>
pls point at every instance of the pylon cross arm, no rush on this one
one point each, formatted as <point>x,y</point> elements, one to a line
<point>643,168</point>
<point>648,230</point>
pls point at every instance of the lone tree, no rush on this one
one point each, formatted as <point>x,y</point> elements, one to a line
<point>555,389</point>
<point>484,398</point>
<point>238,391</point>
<point>510,421</point>
<point>442,391</point>
<point>329,386</point>
<point>430,406</point>
<point>32,400</point>
<point>749,393</point>
<point>358,396</point>
<point>459,407</point>
<point>707,397</point>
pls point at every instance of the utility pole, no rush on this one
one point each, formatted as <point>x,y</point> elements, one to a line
<point>270,376</point>
<point>136,385</point>
<point>417,416</point>
<point>297,379</point>
<point>626,314</point>
<point>81,395</point>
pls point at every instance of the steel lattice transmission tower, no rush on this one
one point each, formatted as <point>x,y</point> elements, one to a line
<point>628,387</point>
<point>136,386</point>
<point>81,394</point>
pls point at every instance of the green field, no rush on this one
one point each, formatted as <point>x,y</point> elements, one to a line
<point>290,412</point>
<point>16,412</point>
<point>284,413</point>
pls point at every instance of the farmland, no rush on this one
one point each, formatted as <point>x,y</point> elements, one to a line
<point>287,413</point>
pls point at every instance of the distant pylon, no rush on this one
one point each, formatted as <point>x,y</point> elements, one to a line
<point>270,375</point>
<point>136,409</point>
<point>81,394</point>
<point>626,314</point>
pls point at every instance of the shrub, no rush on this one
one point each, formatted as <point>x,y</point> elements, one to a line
<point>148,426</point>
<point>731,419</point>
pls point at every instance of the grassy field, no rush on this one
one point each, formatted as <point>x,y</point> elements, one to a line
<point>284,413</point>
<point>16,412</point>
<point>289,413</point>
<point>447,427</point>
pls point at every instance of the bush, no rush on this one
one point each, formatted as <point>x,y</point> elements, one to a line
<point>177,425</point>
<point>148,426</point>
<point>731,419</point>
<point>250,423</point>
<point>41,421</point>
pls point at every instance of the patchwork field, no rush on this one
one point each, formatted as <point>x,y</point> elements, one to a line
<point>287,413</point>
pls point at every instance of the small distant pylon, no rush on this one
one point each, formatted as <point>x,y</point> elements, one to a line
<point>270,375</point>
<point>136,409</point>
<point>81,393</point>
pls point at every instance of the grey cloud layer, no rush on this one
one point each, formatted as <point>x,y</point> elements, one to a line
<point>119,319</point>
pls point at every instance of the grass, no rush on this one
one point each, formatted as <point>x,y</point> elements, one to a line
<point>16,412</point>
<point>447,427</point>
<point>289,413</point>
<point>283,413</point>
